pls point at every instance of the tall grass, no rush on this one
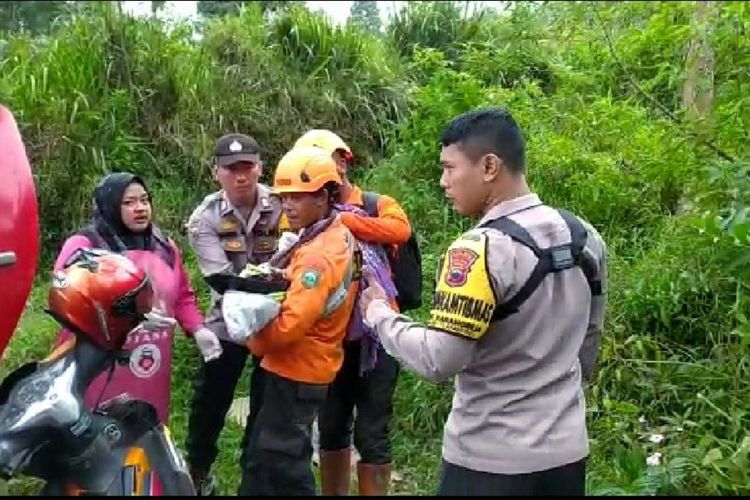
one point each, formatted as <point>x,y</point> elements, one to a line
<point>107,92</point>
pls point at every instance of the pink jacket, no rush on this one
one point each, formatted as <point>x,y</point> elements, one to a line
<point>148,375</point>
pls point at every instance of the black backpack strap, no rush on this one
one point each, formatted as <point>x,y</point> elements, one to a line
<point>578,236</point>
<point>517,233</point>
<point>550,260</point>
<point>370,202</point>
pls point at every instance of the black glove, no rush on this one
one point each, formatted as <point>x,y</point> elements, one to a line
<point>223,282</point>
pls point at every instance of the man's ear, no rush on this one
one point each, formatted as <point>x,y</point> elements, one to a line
<point>260,169</point>
<point>214,174</point>
<point>492,166</point>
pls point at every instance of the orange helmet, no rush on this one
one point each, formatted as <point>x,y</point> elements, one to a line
<point>305,170</point>
<point>325,140</point>
<point>100,295</point>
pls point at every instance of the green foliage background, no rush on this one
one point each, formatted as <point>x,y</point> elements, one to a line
<point>597,89</point>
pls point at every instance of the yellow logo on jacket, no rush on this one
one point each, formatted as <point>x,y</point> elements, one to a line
<point>284,223</point>
<point>464,301</point>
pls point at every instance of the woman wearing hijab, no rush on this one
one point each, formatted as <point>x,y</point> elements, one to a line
<point>122,222</point>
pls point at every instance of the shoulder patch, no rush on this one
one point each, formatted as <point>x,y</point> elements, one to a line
<point>310,270</point>
<point>464,300</point>
<point>460,261</point>
<point>310,278</point>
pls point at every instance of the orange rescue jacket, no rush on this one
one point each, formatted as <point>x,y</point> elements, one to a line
<point>390,227</point>
<point>304,342</point>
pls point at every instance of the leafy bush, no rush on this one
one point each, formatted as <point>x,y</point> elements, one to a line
<point>107,92</point>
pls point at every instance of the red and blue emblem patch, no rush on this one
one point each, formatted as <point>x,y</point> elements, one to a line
<point>459,263</point>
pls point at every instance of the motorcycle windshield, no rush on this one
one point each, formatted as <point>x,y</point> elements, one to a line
<point>19,227</point>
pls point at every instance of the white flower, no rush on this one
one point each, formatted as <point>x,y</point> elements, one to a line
<point>641,419</point>
<point>656,438</point>
<point>654,460</point>
<point>680,429</point>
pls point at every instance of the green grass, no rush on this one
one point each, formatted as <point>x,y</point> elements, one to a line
<point>660,383</point>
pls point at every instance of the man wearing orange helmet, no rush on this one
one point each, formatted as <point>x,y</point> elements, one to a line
<point>301,348</point>
<point>368,377</point>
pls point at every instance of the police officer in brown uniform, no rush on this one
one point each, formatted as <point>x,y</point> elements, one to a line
<point>516,319</point>
<point>237,225</point>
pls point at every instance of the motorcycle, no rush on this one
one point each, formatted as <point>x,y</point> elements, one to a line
<point>47,432</point>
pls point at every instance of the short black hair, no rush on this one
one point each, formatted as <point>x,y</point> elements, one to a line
<point>488,130</point>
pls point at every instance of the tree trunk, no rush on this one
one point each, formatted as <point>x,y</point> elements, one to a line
<point>698,89</point>
<point>14,16</point>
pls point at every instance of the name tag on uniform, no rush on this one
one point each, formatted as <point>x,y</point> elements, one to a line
<point>265,244</point>
<point>236,244</point>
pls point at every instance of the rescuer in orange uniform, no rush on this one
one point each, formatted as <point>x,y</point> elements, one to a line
<point>367,379</point>
<point>302,347</point>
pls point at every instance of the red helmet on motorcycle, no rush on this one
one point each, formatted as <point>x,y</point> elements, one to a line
<point>100,295</point>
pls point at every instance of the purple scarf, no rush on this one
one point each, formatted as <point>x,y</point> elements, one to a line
<point>374,257</point>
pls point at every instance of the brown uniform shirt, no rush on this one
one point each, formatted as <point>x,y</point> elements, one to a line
<point>225,242</point>
<point>518,405</point>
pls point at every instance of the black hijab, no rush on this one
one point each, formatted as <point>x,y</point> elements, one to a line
<point>108,216</point>
<point>107,219</point>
